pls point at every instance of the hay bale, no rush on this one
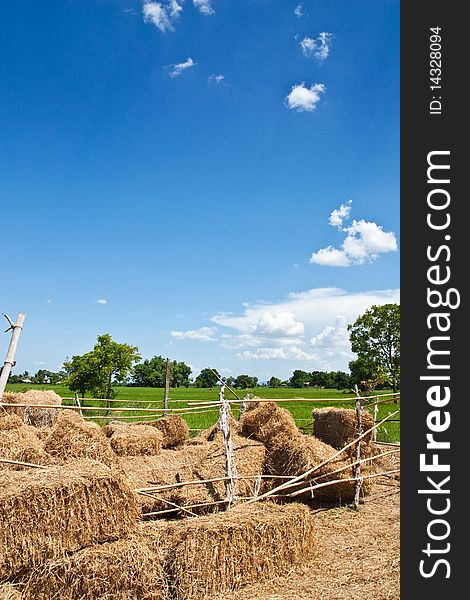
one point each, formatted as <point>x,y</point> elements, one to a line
<point>72,437</point>
<point>226,551</point>
<point>337,427</point>
<point>60,509</point>
<point>215,432</point>
<point>129,440</point>
<point>123,570</point>
<point>263,421</point>
<point>202,461</point>
<point>9,592</point>
<point>287,455</point>
<point>174,429</point>
<point>39,417</point>
<point>19,442</point>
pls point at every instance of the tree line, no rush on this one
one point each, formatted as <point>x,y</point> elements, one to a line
<point>374,337</point>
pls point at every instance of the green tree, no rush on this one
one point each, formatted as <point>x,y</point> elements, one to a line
<point>150,373</point>
<point>245,381</point>
<point>375,338</point>
<point>81,373</point>
<point>274,382</point>
<point>206,379</point>
<point>298,378</point>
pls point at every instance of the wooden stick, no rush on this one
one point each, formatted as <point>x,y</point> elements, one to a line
<point>167,386</point>
<point>178,507</point>
<point>322,464</point>
<point>104,408</point>
<point>202,402</point>
<point>16,329</point>
<point>167,486</point>
<point>357,468</point>
<point>22,464</point>
<point>161,512</point>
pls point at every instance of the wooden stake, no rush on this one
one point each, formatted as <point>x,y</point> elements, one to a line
<point>357,468</point>
<point>167,386</point>
<point>10,358</point>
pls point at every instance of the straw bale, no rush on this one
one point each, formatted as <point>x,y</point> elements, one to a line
<point>129,440</point>
<point>263,421</point>
<point>288,455</point>
<point>174,429</point>
<point>39,417</point>
<point>9,592</point>
<point>123,570</point>
<point>337,427</point>
<point>72,437</point>
<point>61,509</point>
<point>202,461</point>
<point>210,434</point>
<point>223,552</point>
<point>19,442</point>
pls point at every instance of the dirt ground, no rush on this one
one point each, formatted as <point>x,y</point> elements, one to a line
<point>356,554</point>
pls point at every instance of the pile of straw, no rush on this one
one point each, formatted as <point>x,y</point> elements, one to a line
<point>131,440</point>
<point>263,421</point>
<point>287,455</point>
<point>123,570</point>
<point>44,513</point>
<point>173,428</point>
<point>72,437</point>
<point>215,432</point>
<point>39,417</point>
<point>223,552</point>
<point>338,426</point>
<point>193,462</point>
<point>9,592</point>
<point>20,443</point>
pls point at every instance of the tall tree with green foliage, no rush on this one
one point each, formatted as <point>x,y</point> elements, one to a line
<point>206,379</point>
<point>274,382</point>
<point>375,338</point>
<point>109,362</point>
<point>245,381</point>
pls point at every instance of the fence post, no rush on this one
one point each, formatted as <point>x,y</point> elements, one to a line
<point>376,412</point>
<point>167,386</point>
<point>10,358</point>
<point>76,401</point>
<point>244,405</point>
<point>357,468</point>
<point>230,469</point>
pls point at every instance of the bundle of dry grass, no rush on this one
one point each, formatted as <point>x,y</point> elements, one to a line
<point>9,592</point>
<point>288,455</point>
<point>60,509</point>
<point>214,432</point>
<point>194,462</point>
<point>130,440</point>
<point>338,426</point>
<point>263,421</point>
<point>72,437</point>
<point>39,417</point>
<point>174,429</point>
<point>123,570</point>
<point>19,442</point>
<point>226,551</point>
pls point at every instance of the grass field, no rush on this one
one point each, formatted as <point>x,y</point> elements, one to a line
<point>206,416</point>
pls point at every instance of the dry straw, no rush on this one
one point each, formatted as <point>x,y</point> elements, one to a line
<point>338,426</point>
<point>130,440</point>
<point>44,513</point>
<point>173,428</point>
<point>72,437</point>
<point>34,415</point>
<point>126,569</point>
<point>18,442</point>
<point>226,551</point>
<point>9,592</point>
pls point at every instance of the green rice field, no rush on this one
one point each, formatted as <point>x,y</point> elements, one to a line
<point>297,401</point>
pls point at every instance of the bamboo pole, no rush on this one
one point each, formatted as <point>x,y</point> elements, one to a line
<point>230,468</point>
<point>357,468</point>
<point>322,464</point>
<point>8,461</point>
<point>167,386</point>
<point>16,329</point>
<point>104,408</point>
<point>178,507</point>
<point>295,399</point>
<point>168,486</point>
<point>161,512</point>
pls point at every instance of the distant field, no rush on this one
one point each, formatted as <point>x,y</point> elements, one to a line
<point>179,397</point>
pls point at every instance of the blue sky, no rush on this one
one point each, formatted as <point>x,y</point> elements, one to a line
<point>217,181</point>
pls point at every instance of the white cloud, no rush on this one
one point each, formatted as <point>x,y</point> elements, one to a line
<point>204,6</point>
<point>318,48</point>
<point>365,242</point>
<point>161,15</point>
<point>180,67</point>
<point>304,99</point>
<point>322,339</point>
<point>216,78</point>
<point>298,11</point>
<point>101,301</point>
<point>203,334</point>
<point>278,324</point>
<point>338,215</point>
